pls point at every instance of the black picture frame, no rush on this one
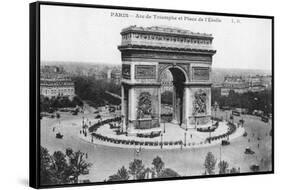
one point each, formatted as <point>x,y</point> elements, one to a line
<point>34,93</point>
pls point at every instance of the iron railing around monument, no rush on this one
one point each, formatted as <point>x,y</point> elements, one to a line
<point>94,127</point>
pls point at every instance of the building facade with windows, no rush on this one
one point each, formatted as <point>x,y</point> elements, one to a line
<point>240,85</point>
<point>54,82</point>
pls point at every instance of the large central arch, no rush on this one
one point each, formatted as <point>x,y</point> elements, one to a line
<point>146,53</point>
<point>179,78</point>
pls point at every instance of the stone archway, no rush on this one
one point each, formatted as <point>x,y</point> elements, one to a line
<point>146,53</point>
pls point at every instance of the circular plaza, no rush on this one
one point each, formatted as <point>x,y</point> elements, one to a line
<point>167,136</point>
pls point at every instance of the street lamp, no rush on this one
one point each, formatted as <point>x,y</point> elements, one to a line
<point>184,138</point>
<point>161,140</point>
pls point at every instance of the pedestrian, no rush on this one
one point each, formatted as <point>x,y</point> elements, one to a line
<point>191,136</point>
<point>258,145</point>
<point>249,140</point>
<point>86,155</point>
<point>53,129</point>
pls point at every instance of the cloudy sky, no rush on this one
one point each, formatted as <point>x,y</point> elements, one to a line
<point>92,35</point>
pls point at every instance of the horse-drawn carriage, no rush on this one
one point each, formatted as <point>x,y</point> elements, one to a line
<point>248,150</point>
<point>59,135</point>
<point>225,142</point>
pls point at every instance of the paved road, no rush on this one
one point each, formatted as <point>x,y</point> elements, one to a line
<point>107,160</point>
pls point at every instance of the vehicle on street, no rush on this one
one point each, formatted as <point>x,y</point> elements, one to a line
<point>59,136</point>
<point>225,142</point>
<point>255,167</point>
<point>248,150</point>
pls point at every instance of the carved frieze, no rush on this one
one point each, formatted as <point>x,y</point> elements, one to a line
<point>167,56</point>
<point>200,73</point>
<point>126,71</point>
<point>145,71</point>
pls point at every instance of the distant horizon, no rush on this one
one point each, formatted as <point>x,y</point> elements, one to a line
<point>119,64</point>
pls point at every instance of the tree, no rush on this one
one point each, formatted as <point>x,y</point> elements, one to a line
<point>136,169</point>
<point>210,163</point>
<point>77,164</point>
<point>223,165</point>
<point>77,101</point>
<point>158,165</point>
<point>58,168</point>
<point>45,164</point>
<point>249,100</point>
<point>167,172</point>
<point>94,91</point>
<point>121,175</point>
<point>61,168</point>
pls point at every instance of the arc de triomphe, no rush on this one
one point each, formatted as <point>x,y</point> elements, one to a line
<point>147,52</point>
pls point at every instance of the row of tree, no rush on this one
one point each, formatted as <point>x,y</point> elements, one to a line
<point>250,100</point>
<point>65,168</point>
<point>210,165</point>
<point>54,103</point>
<point>94,91</point>
<point>137,170</point>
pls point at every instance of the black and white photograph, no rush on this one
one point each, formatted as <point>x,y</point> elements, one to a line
<point>128,95</point>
